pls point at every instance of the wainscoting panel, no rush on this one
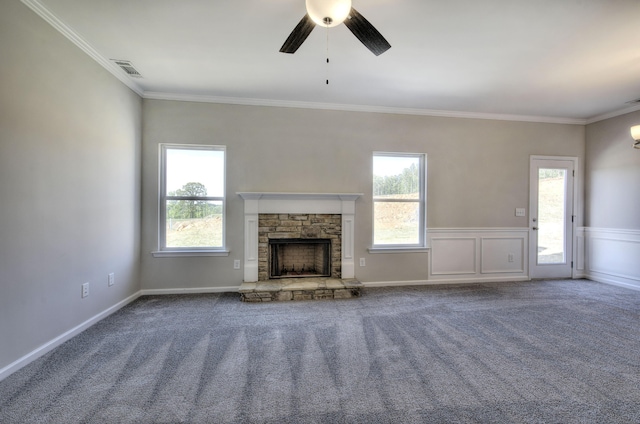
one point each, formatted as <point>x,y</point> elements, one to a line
<point>478,254</point>
<point>502,255</point>
<point>453,255</point>
<point>612,256</point>
<point>579,270</point>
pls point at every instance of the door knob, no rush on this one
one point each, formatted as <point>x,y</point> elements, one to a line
<point>534,228</point>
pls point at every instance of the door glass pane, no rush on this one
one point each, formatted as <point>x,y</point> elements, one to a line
<point>551,215</point>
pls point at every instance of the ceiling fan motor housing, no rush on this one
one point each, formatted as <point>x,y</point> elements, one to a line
<point>328,13</point>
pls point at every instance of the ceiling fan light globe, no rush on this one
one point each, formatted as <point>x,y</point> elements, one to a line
<point>336,10</point>
<point>635,132</point>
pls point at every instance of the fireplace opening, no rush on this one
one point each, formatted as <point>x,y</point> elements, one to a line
<point>298,258</point>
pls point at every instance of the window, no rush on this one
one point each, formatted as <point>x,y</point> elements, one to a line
<point>192,199</point>
<point>399,200</point>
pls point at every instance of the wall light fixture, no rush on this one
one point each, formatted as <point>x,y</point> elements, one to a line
<point>635,133</point>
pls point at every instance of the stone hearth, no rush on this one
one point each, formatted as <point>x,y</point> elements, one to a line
<point>297,289</point>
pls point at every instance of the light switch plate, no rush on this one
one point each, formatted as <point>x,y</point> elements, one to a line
<point>521,212</point>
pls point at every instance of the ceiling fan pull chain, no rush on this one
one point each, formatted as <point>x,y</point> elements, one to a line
<point>327,54</point>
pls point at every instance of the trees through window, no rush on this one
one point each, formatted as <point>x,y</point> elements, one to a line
<point>399,200</point>
<point>192,197</point>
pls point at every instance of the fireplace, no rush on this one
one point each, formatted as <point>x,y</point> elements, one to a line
<point>299,258</point>
<point>289,242</point>
<point>291,216</point>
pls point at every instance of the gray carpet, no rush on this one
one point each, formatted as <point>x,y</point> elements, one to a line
<point>535,352</point>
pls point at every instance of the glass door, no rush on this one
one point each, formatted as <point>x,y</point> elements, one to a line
<point>551,217</point>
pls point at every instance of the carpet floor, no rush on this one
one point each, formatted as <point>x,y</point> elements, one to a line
<point>565,351</point>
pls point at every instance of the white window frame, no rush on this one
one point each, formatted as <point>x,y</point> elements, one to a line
<point>421,246</point>
<point>163,250</point>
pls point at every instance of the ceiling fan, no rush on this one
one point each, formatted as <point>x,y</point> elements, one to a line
<point>329,13</point>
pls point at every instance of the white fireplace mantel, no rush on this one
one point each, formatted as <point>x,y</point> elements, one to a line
<point>320,203</point>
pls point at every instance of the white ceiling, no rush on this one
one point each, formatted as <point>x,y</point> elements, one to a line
<point>548,60</point>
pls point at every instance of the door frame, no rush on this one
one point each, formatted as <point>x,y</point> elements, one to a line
<point>574,213</point>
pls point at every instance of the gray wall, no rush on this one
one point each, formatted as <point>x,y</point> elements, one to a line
<point>70,142</point>
<point>478,173</point>
<point>612,184</point>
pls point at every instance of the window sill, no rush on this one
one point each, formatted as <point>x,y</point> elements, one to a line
<point>398,249</point>
<point>188,253</point>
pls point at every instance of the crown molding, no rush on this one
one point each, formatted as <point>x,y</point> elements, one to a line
<point>358,108</point>
<point>76,39</point>
<point>613,114</point>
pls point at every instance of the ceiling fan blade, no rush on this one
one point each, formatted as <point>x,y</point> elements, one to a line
<point>298,35</point>
<point>366,33</point>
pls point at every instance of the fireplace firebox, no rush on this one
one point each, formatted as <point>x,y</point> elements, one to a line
<point>299,258</point>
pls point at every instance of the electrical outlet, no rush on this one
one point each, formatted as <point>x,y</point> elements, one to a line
<point>510,257</point>
<point>85,290</point>
<point>236,264</point>
<point>112,279</point>
<point>363,262</point>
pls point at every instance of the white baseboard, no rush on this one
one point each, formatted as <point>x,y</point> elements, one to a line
<point>194,290</point>
<point>52,344</point>
<point>395,283</point>
<point>444,282</point>
<point>614,281</point>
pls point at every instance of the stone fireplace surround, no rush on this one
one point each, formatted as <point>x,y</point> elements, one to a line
<point>311,240</point>
<point>257,203</point>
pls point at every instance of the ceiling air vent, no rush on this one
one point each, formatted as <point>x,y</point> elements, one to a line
<point>126,66</point>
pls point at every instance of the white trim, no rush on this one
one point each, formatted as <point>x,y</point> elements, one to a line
<point>52,344</point>
<point>397,283</point>
<point>620,231</point>
<point>360,108</point>
<point>80,42</point>
<point>477,230</point>
<point>174,251</point>
<point>186,253</point>
<point>613,281</point>
<point>612,114</point>
<point>421,201</point>
<point>298,196</point>
<point>193,290</point>
<point>256,203</point>
<point>444,282</point>
<point>376,250</point>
